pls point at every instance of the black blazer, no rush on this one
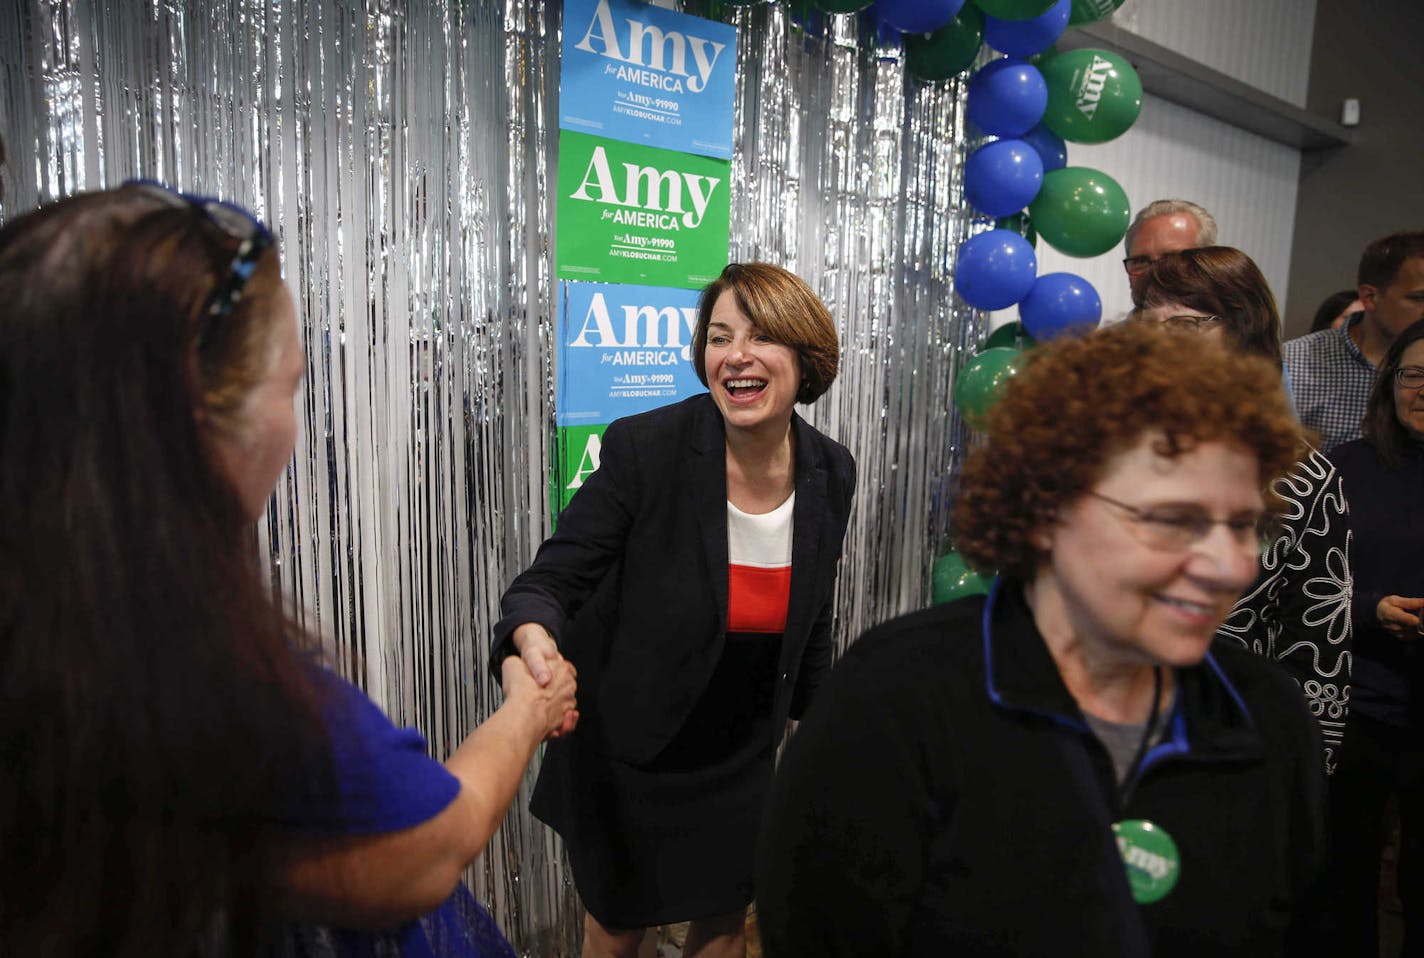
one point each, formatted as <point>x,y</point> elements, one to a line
<point>633,582</point>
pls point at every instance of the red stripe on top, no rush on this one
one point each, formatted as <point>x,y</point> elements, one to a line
<point>757,598</point>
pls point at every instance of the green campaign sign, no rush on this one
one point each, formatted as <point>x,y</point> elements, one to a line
<point>576,452</point>
<point>641,215</point>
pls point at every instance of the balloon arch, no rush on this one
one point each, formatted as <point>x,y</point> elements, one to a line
<point>1026,105</point>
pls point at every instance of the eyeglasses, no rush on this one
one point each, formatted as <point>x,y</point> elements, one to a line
<point>252,240</point>
<point>1136,265</point>
<point>1176,528</point>
<point>1190,322</point>
<point>1409,377</point>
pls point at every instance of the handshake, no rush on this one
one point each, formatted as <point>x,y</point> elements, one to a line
<point>541,681</point>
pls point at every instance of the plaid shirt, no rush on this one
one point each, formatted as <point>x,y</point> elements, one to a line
<point>1330,381</point>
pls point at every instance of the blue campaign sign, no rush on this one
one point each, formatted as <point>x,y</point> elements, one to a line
<point>623,350</point>
<point>643,74</point>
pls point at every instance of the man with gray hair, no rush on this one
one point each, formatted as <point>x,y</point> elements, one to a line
<point>1162,227</point>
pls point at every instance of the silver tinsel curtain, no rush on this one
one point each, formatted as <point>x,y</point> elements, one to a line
<point>403,153</point>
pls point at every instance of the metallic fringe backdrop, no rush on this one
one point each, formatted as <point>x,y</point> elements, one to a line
<point>404,154</point>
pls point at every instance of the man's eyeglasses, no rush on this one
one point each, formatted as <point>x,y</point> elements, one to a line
<point>252,239</point>
<point>1136,265</point>
<point>1410,377</point>
<point>1176,528</point>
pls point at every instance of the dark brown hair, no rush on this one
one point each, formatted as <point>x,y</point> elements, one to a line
<point>781,305</point>
<point>1381,260</point>
<point>1330,307</point>
<point>1082,400</point>
<point>156,711</point>
<point>1224,282</point>
<point>1381,424</point>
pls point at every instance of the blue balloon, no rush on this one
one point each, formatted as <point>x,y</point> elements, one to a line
<point>1007,97</point>
<point>918,16</point>
<point>1050,146</point>
<point>1002,177</point>
<point>995,269</point>
<point>1024,38</point>
<point>1058,303</point>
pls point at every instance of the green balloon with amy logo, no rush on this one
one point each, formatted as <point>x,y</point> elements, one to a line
<point>1093,95</point>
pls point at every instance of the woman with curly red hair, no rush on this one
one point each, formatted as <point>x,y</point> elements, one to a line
<point>1070,765</point>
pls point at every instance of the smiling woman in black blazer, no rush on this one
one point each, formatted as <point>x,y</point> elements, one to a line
<point>690,582</point>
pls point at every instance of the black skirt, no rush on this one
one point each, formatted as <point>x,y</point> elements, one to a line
<point>671,840</point>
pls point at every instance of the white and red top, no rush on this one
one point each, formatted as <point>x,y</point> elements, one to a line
<point>759,568</point>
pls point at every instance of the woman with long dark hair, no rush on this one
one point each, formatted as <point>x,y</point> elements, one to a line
<point>181,775</point>
<point>1381,755</point>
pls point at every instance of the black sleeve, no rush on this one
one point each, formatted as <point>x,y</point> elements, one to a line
<point>816,660</point>
<point>1311,887</point>
<point>588,539</point>
<point>1316,632</point>
<point>1298,611</point>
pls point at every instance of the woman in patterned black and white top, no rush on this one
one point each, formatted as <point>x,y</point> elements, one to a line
<point>1298,612</point>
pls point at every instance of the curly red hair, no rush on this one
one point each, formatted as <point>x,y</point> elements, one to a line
<point>1079,401</point>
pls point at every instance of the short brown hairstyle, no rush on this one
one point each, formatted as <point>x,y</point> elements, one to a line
<point>781,305</point>
<point>1381,425</point>
<point>1381,260</point>
<point>1079,401</point>
<point>1226,283</point>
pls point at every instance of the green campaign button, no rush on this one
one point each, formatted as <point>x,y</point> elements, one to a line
<point>1150,857</point>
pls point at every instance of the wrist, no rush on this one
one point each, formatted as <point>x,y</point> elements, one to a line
<point>528,716</point>
<point>531,632</point>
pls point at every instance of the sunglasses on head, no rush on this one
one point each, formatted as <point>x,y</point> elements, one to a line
<point>252,239</point>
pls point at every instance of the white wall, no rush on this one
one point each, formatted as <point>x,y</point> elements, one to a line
<point>1265,43</point>
<point>1248,182</point>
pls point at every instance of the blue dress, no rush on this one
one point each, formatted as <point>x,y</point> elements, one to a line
<point>383,780</point>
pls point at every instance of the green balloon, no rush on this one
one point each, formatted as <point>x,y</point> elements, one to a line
<point>1080,211</point>
<point>1090,11</point>
<point>978,385</point>
<point>948,51</point>
<point>1015,9</point>
<point>1093,95</point>
<point>952,579</point>
<point>1011,335</point>
<point>843,6</point>
<point>1021,224</point>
